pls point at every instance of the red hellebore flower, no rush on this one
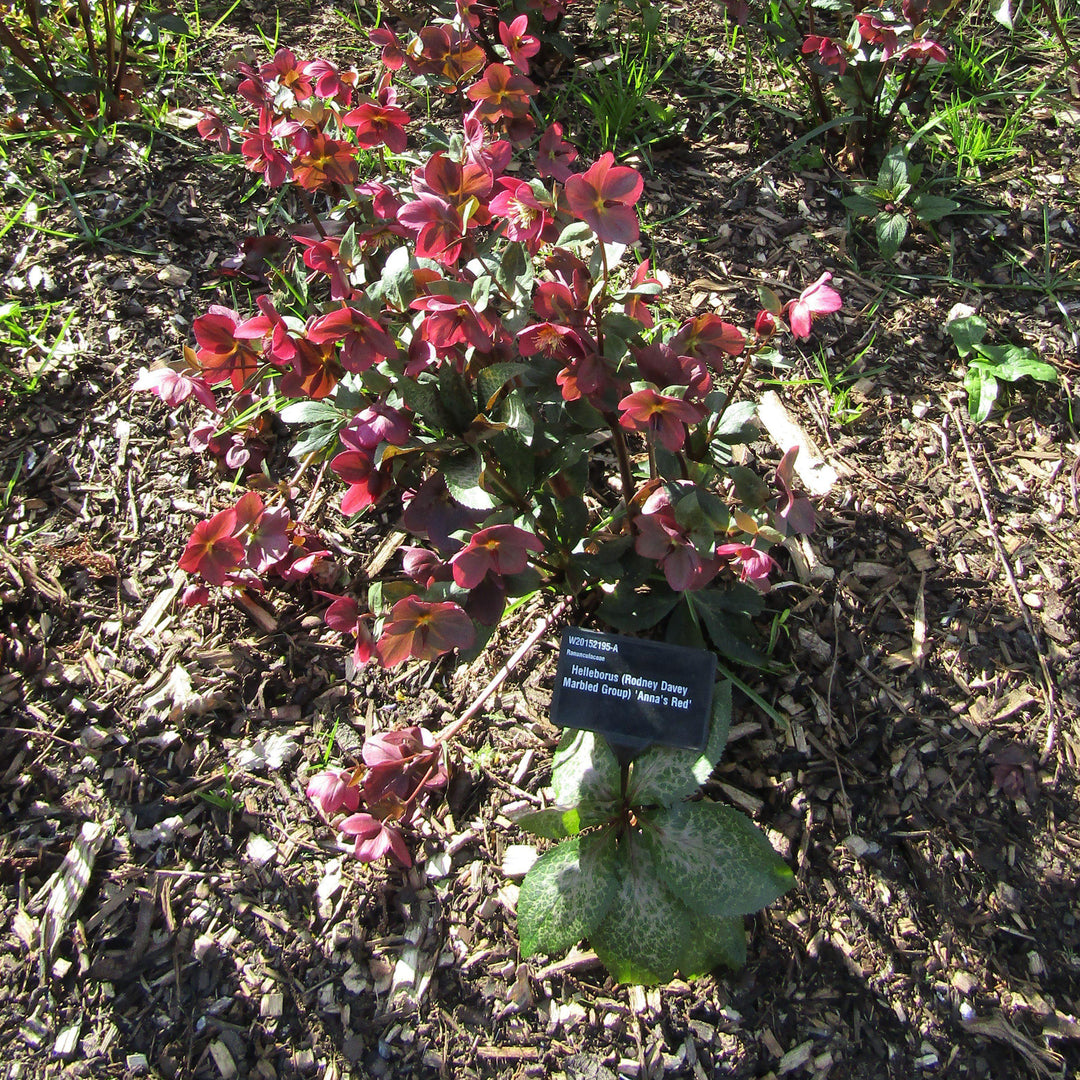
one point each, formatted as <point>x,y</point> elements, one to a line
<point>874,32</point>
<point>221,354</point>
<point>266,532</point>
<point>665,417</point>
<point>174,387</point>
<point>754,565</point>
<point>554,155</point>
<point>924,50</point>
<point>503,549</point>
<point>422,629</point>
<point>830,52</point>
<point>375,838</point>
<point>344,615</point>
<point>501,92</point>
<point>604,198</point>
<point>213,551</point>
<point>363,340</point>
<point>816,299</point>
<point>366,483</point>
<point>332,791</point>
<point>518,42</point>
<point>379,125</point>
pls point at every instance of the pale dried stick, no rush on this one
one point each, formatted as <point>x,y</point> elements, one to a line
<point>541,629</point>
<point>1036,636</point>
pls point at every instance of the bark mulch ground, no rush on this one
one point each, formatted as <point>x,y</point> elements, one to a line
<point>922,782</point>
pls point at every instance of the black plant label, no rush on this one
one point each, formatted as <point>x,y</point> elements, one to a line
<point>636,693</point>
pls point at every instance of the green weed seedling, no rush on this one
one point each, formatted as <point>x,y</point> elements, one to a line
<point>655,882</point>
<point>895,199</point>
<point>990,365</point>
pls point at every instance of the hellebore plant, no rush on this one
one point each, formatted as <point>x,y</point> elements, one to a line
<point>656,883</point>
<point>990,365</point>
<point>895,199</point>
<point>873,62</point>
<point>469,348</point>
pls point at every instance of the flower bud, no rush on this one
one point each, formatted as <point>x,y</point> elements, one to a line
<point>765,325</point>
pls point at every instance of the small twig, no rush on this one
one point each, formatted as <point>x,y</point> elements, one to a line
<point>541,629</point>
<point>1036,636</point>
<point>43,734</point>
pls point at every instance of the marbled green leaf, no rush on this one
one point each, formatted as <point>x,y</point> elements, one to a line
<point>584,770</point>
<point>559,822</point>
<point>715,859</point>
<point>641,938</point>
<point>713,940</point>
<point>665,775</point>
<point>567,893</point>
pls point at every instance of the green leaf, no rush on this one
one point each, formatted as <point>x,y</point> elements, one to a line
<point>1002,12</point>
<point>424,400</point>
<point>567,893</point>
<point>640,939</point>
<point>966,333</point>
<point>515,273</point>
<point>740,599</point>
<point>515,413</point>
<point>861,205</point>
<point>309,412</point>
<point>397,278</point>
<point>730,633</point>
<point>891,230</point>
<point>1012,362</point>
<point>574,233</point>
<point>715,859</point>
<point>629,610</point>
<point>462,473</point>
<point>982,390</point>
<point>713,940</point>
<point>315,438</point>
<point>490,380</point>
<point>737,423</point>
<point>769,300</point>
<point>456,398</point>
<point>893,174</point>
<point>664,775</point>
<point>559,822</point>
<point>751,489</point>
<point>584,771</point>
<point>934,207</point>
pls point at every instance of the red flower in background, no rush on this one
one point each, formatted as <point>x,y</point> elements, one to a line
<point>816,299</point>
<point>364,341</point>
<point>221,354</point>
<point>657,414</point>
<point>375,838</point>
<point>518,42</point>
<point>501,549</point>
<point>423,630</point>
<point>554,155</point>
<point>175,387</point>
<point>830,52</point>
<point>604,197</point>
<point>213,551</point>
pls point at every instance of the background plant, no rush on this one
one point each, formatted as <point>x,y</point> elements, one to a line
<point>80,59</point>
<point>895,199</point>
<point>990,365</point>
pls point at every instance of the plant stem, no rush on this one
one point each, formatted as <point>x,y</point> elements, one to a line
<point>735,384</point>
<point>1070,56</point>
<point>626,473</point>
<point>305,202</point>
